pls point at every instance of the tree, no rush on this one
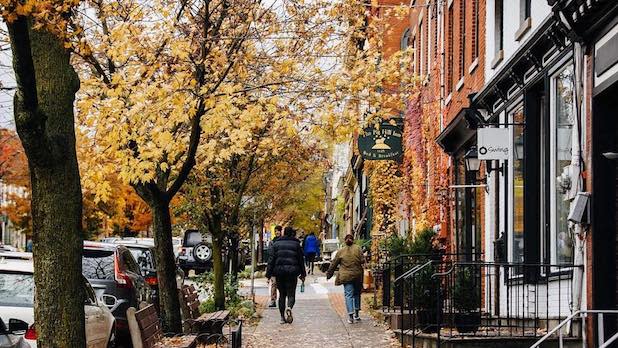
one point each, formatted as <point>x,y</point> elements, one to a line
<point>220,193</point>
<point>46,87</point>
<point>152,72</point>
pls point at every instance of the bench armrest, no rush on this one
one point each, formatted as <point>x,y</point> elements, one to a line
<point>136,334</point>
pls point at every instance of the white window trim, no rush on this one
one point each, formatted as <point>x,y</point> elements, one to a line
<point>553,142</point>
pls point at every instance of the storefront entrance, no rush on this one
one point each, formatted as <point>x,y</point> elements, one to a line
<point>605,201</point>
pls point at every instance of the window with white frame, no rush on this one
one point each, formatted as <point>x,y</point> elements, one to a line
<point>561,125</point>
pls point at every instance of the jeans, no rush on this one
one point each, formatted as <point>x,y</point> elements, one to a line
<point>287,289</point>
<point>352,296</point>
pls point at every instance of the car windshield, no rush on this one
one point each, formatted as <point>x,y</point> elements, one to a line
<point>16,290</point>
<point>143,257</point>
<point>98,264</point>
<point>192,238</point>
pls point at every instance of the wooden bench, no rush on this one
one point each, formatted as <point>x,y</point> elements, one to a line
<point>210,324</point>
<point>201,323</point>
<point>146,332</point>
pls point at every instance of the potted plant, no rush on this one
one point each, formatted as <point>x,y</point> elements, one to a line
<point>426,300</point>
<point>466,300</point>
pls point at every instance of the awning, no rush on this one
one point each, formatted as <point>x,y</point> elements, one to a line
<point>456,134</point>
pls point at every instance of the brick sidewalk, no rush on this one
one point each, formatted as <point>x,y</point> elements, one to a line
<point>317,322</point>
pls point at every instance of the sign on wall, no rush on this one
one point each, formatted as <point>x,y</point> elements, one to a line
<point>381,143</point>
<point>493,143</point>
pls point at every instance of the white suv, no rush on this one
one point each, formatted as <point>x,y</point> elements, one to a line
<point>17,302</point>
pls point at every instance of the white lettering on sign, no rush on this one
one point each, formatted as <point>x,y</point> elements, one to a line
<point>493,143</point>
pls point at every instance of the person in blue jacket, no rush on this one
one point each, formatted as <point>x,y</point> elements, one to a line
<point>311,248</point>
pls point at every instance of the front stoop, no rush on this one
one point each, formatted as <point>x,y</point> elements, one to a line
<point>430,341</point>
<point>397,320</point>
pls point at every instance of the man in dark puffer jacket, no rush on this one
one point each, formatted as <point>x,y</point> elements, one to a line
<point>286,262</point>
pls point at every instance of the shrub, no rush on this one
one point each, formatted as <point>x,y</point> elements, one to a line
<point>466,296</point>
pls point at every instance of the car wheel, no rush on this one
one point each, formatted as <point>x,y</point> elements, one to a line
<point>202,252</point>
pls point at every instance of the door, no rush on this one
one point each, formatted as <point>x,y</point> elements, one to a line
<point>604,204</point>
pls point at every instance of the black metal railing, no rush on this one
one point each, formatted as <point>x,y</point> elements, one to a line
<point>446,298</point>
<point>393,268</point>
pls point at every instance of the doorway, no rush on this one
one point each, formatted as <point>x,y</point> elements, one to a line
<point>604,202</point>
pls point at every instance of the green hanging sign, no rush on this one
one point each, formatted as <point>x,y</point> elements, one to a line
<point>381,142</point>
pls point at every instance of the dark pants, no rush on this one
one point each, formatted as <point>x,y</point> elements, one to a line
<point>287,289</point>
<point>309,261</point>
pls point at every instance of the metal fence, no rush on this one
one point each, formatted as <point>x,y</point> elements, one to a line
<point>446,298</point>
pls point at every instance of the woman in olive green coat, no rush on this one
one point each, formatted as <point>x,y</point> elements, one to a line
<point>350,261</point>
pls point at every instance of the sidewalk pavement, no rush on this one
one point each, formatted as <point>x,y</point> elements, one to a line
<point>316,323</point>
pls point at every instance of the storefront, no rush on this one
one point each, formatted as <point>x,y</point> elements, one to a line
<point>467,189</point>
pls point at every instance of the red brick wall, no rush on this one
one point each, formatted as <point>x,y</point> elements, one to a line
<point>453,99</point>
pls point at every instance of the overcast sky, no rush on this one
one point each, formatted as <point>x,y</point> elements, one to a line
<point>7,80</point>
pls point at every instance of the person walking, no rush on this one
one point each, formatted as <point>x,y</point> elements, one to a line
<point>312,249</point>
<point>350,261</point>
<point>286,263</point>
<point>273,280</point>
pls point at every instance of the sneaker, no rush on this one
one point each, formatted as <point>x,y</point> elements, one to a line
<point>283,321</point>
<point>357,316</point>
<point>351,319</point>
<point>272,305</point>
<point>288,315</point>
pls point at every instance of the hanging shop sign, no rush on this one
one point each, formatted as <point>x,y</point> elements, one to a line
<point>493,143</point>
<point>381,142</point>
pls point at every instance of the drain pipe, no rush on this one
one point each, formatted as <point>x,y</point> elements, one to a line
<point>579,237</point>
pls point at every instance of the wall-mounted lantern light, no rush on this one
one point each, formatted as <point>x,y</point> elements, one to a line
<point>473,163</point>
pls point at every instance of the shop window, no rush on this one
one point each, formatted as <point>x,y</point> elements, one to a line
<point>516,240</point>
<point>562,121</point>
<point>468,207</point>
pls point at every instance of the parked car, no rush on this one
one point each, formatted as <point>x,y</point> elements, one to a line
<point>196,253</point>
<point>114,273</point>
<point>17,307</point>
<point>177,244</point>
<point>328,250</point>
<point>145,257</point>
<point>12,336</point>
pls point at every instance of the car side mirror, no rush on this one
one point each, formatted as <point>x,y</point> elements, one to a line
<point>17,326</point>
<point>110,301</point>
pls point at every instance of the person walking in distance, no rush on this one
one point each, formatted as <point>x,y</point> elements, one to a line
<point>312,249</point>
<point>273,280</point>
<point>350,261</point>
<point>286,263</point>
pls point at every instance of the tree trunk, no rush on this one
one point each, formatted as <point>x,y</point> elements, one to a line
<point>234,255</point>
<point>44,119</point>
<point>217,265</point>
<point>166,267</point>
